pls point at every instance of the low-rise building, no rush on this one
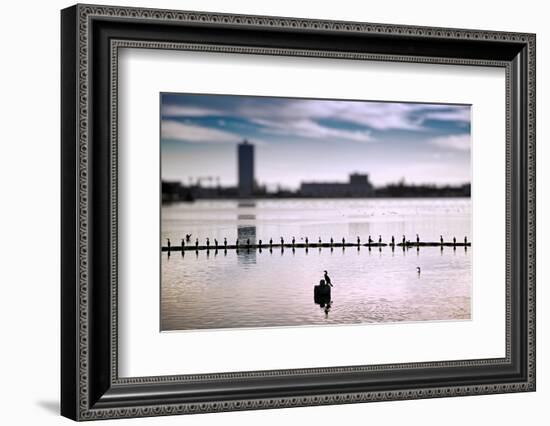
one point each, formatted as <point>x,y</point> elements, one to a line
<point>357,186</point>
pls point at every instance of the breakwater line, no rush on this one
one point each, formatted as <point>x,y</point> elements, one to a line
<point>245,246</point>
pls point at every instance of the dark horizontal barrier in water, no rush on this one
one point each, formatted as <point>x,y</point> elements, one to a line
<point>310,245</point>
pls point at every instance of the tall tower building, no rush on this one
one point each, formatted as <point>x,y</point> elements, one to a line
<point>245,154</point>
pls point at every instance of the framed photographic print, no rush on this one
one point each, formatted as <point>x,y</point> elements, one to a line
<point>263,212</point>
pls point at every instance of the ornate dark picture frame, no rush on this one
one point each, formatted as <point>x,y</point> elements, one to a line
<point>90,38</point>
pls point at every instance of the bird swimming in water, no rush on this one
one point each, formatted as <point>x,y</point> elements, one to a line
<point>418,270</point>
<point>327,279</point>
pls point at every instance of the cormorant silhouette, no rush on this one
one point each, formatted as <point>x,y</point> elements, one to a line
<point>327,279</point>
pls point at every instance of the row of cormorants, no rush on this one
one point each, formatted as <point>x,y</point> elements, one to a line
<point>370,241</point>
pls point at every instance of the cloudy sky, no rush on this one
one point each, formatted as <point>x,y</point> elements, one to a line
<point>314,140</point>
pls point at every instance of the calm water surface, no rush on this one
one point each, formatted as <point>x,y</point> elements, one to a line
<point>212,290</point>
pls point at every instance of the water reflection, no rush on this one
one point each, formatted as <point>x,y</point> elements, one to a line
<point>384,288</point>
<point>246,237</point>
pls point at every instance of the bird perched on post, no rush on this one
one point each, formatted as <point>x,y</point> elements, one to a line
<point>168,243</point>
<point>196,242</point>
<point>358,241</point>
<point>327,279</point>
<point>441,239</point>
<point>380,239</point>
<point>417,239</point>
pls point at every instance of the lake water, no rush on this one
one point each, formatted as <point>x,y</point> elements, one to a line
<point>252,288</point>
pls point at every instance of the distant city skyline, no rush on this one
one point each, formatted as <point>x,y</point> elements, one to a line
<point>297,140</point>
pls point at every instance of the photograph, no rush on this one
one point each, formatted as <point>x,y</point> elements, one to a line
<point>280,212</point>
<point>267,209</point>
